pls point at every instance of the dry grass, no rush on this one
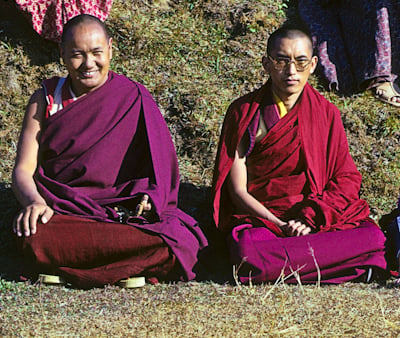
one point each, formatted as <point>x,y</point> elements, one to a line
<point>201,310</point>
<point>195,57</point>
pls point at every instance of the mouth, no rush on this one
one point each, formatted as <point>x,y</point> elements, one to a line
<point>291,81</point>
<point>88,74</point>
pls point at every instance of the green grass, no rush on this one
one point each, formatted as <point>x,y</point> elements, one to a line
<point>195,57</point>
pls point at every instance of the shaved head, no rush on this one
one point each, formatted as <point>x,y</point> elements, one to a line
<point>78,20</point>
<point>288,32</point>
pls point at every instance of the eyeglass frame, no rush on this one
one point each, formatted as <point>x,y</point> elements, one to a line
<point>287,63</point>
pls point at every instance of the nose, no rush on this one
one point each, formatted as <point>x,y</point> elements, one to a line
<point>89,61</point>
<point>291,67</point>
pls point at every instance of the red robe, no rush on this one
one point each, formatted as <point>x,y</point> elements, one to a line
<point>332,179</point>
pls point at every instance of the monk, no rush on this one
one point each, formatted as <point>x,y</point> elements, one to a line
<point>285,188</point>
<point>97,176</point>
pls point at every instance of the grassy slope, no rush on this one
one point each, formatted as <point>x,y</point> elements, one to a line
<point>195,57</point>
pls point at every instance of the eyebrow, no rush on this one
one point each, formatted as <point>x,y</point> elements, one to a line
<point>95,49</point>
<point>280,55</point>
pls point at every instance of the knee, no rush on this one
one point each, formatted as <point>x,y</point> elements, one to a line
<point>33,249</point>
<point>254,259</point>
<point>375,233</point>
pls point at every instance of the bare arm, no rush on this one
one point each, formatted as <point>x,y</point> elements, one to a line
<point>34,206</point>
<point>247,204</point>
<point>237,185</point>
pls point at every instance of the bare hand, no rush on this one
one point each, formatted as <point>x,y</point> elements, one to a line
<point>296,228</point>
<point>144,205</point>
<point>25,223</point>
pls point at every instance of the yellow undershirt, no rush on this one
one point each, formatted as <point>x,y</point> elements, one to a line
<point>281,106</point>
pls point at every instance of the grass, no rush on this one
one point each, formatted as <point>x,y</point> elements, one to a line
<point>200,310</point>
<point>195,57</point>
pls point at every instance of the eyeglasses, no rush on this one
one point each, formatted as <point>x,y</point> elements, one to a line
<point>283,63</point>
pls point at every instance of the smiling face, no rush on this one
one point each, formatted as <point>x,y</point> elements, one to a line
<point>87,54</point>
<point>288,83</point>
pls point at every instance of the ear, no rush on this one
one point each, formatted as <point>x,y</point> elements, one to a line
<point>265,63</point>
<point>110,41</point>
<point>314,62</point>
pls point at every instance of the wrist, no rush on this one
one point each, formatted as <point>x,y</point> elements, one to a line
<point>32,201</point>
<point>279,223</point>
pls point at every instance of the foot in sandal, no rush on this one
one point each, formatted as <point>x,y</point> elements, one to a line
<point>388,92</point>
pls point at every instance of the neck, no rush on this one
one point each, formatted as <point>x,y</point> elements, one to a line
<point>288,100</point>
<point>77,91</point>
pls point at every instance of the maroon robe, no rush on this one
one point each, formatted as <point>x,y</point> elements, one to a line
<point>302,169</point>
<point>109,148</point>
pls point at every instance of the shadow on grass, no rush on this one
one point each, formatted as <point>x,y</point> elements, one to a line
<point>10,263</point>
<point>213,264</point>
<point>384,223</point>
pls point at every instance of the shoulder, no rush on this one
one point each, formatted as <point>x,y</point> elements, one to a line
<point>321,106</point>
<point>36,108</point>
<point>50,84</point>
<point>241,107</point>
<point>38,97</point>
<point>125,81</point>
<point>245,100</point>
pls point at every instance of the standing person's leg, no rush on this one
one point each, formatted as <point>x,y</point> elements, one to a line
<point>366,34</point>
<point>324,24</point>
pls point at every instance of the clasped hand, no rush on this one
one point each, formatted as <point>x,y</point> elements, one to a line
<point>25,223</point>
<point>143,207</point>
<point>296,228</point>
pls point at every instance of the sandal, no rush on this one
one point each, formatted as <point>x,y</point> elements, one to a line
<point>386,92</point>
<point>132,282</point>
<point>50,279</point>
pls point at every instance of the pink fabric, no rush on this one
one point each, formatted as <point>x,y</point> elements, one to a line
<point>341,256</point>
<point>49,16</point>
